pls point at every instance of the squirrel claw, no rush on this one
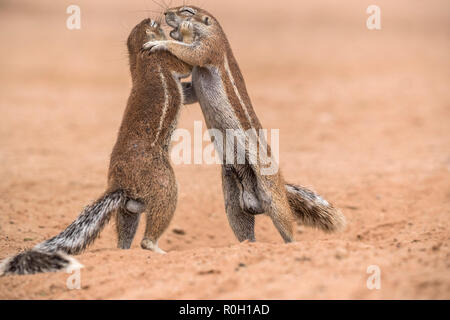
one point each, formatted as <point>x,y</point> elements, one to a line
<point>153,46</point>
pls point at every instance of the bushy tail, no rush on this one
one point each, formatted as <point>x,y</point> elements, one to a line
<point>33,261</point>
<point>314,211</point>
<point>50,255</point>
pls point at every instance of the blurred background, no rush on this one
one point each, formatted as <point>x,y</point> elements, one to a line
<point>364,119</point>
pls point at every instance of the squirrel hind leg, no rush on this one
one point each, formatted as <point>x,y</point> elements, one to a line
<point>126,227</point>
<point>242,223</point>
<point>285,228</point>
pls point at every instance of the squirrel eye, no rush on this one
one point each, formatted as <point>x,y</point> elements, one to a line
<point>189,11</point>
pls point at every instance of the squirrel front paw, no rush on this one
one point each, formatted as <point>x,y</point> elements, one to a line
<point>153,46</point>
<point>186,27</point>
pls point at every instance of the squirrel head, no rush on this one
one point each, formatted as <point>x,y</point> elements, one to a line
<point>146,30</point>
<point>150,30</point>
<point>200,21</point>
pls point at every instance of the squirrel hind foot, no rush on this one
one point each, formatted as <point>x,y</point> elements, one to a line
<point>148,244</point>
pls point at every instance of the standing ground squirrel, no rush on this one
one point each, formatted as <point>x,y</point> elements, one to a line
<point>140,175</point>
<point>219,87</point>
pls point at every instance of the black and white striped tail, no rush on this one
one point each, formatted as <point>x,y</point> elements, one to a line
<point>50,255</point>
<point>33,261</point>
<point>314,211</point>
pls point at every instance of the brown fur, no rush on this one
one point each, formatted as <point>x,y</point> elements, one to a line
<point>210,48</point>
<point>140,176</point>
<point>140,164</point>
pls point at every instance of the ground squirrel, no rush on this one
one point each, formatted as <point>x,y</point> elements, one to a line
<point>219,87</point>
<point>140,175</point>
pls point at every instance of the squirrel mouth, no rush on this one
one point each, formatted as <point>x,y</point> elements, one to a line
<point>172,20</point>
<point>176,35</point>
<point>172,23</point>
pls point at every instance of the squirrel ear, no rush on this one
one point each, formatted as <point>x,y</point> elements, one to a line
<point>154,24</point>
<point>207,20</point>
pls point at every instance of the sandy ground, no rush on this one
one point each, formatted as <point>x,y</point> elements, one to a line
<point>364,119</point>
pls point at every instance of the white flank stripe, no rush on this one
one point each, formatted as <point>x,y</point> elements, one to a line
<point>236,91</point>
<point>166,105</point>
